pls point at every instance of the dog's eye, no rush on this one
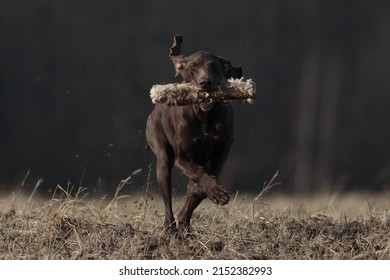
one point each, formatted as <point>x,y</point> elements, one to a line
<point>212,64</point>
<point>192,67</point>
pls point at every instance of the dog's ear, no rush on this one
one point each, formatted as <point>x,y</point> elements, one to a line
<point>175,50</point>
<point>228,70</point>
<point>175,55</point>
<point>178,63</point>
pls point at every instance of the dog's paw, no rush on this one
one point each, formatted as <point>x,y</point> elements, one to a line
<point>220,195</point>
<point>214,191</point>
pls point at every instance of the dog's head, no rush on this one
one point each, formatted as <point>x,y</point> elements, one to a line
<point>202,69</point>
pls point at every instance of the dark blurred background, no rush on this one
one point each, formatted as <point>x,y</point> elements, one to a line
<point>75,79</point>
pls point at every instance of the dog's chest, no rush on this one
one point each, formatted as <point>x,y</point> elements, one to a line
<point>212,130</point>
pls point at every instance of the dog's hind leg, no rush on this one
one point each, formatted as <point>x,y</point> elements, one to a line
<point>193,198</point>
<point>165,161</point>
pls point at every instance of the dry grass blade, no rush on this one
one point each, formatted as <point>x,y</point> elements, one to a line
<point>25,177</point>
<point>264,190</point>
<point>120,187</point>
<point>29,200</point>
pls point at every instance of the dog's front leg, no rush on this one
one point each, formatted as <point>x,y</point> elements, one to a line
<point>208,184</point>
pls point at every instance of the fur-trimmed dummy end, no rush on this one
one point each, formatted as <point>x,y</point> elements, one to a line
<point>186,94</point>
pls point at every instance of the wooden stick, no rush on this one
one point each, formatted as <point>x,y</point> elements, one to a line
<point>187,94</point>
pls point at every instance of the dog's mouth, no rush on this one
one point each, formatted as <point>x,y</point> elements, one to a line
<point>206,106</point>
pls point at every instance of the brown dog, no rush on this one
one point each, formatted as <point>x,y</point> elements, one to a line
<point>196,138</point>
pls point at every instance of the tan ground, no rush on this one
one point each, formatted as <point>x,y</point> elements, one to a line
<point>324,227</point>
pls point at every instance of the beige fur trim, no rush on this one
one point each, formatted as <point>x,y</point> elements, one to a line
<point>187,94</point>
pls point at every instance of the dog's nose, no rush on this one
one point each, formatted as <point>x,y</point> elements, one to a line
<point>205,83</point>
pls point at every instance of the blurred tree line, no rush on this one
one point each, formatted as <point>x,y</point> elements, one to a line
<point>75,79</point>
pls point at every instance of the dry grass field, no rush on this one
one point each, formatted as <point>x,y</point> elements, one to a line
<point>130,227</point>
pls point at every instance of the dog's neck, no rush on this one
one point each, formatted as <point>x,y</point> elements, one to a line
<point>202,111</point>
